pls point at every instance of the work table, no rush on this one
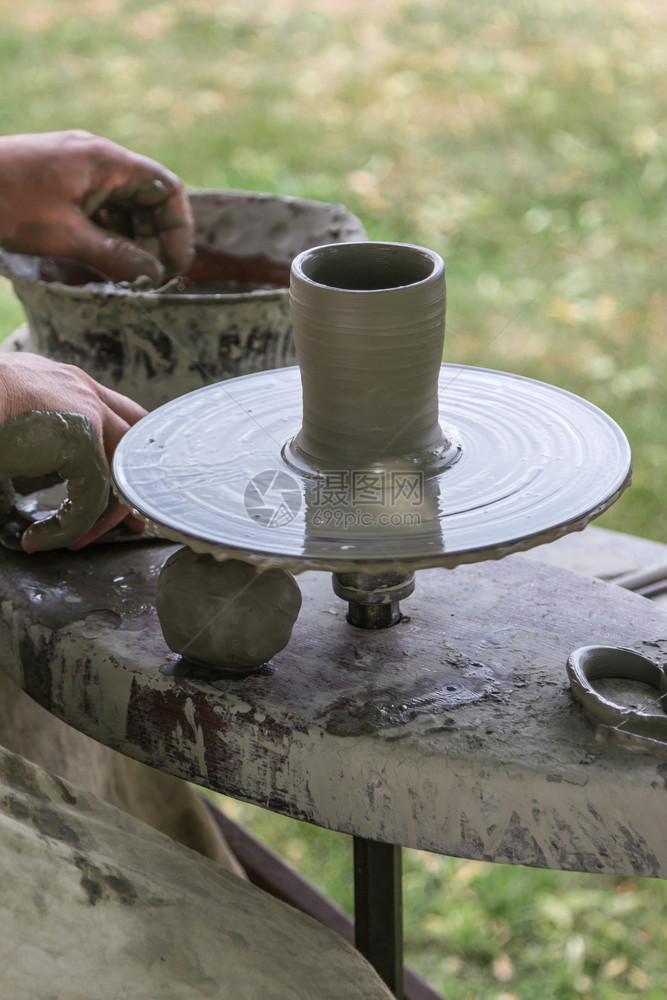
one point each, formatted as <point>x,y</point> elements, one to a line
<point>454,731</point>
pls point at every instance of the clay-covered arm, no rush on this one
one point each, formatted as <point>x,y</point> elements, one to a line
<point>73,194</point>
<point>55,418</point>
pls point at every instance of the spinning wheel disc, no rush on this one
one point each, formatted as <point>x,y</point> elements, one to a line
<point>207,469</point>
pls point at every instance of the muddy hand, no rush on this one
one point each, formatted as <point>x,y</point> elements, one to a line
<point>73,194</point>
<point>55,418</point>
<point>65,443</point>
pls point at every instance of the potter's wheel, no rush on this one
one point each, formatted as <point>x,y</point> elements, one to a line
<point>207,469</point>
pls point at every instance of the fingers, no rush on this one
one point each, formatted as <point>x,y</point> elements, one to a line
<point>52,185</point>
<point>55,418</point>
<point>123,406</point>
<point>176,234</point>
<point>162,228</point>
<point>74,235</point>
<point>117,256</point>
<point>114,427</point>
<point>158,204</point>
<point>111,517</point>
<point>35,443</point>
<point>89,511</point>
<point>32,382</point>
<point>119,413</point>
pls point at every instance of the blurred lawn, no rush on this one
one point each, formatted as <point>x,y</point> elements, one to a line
<point>527,144</point>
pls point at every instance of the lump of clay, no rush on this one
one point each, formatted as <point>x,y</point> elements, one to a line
<point>225,614</point>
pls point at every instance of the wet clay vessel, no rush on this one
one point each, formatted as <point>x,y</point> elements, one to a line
<point>228,316</point>
<point>369,334</point>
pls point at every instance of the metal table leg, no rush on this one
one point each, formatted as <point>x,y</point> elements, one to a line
<point>378,907</point>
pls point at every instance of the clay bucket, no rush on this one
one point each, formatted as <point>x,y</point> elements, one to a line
<point>369,326</point>
<point>229,317</point>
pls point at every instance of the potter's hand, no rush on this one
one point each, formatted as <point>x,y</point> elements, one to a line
<point>73,194</point>
<point>55,418</point>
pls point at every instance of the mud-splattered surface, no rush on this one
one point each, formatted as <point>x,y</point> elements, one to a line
<point>97,905</point>
<point>453,731</point>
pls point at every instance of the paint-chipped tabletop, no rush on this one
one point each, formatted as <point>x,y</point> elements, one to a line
<point>454,731</point>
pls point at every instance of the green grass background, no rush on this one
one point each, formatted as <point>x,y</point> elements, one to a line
<point>526,142</point>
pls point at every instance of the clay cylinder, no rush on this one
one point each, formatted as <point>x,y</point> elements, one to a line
<point>369,326</point>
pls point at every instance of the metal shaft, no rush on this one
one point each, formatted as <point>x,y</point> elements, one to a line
<point>378,909</point>
<point>373,600</point>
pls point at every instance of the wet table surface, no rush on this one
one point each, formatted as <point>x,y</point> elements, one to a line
<point>454,731</point>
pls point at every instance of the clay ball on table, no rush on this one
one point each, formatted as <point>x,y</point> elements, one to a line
<point>225,614</point>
